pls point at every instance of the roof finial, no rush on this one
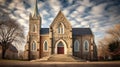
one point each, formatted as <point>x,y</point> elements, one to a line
<point>36,13</point>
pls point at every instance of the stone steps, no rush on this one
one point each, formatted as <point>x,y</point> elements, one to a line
<point>41,59</point>
<point>63,58</point>
<point>59,58</point>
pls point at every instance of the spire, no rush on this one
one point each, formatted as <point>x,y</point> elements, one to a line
<point>35,12</point>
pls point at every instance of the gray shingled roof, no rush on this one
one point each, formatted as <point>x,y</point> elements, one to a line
<point>44,31</point>
<point>81,31</point>
<point>75,31</point>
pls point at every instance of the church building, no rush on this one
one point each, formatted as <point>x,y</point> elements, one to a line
<point>59,38</point>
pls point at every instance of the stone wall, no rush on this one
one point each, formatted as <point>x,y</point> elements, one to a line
<point>66,36</point>
<point>82,54</point>
<point>43,39</point>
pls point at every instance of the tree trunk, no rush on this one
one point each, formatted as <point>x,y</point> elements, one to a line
<point>3,53</point>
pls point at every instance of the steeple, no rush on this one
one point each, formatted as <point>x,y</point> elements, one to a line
<point>35,11</point>
<point>34,33</point>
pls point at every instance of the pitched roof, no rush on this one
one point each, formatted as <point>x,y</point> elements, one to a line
<point>59,16</point>
<point>75,31</point>
<point>44,31</point>
<point>13,49</point>
<point>81,31</point>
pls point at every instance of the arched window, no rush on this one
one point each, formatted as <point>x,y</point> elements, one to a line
<point>76,46</point>
<point>86,46</point>
<point>34,28</point>
<point>33,46</point>
<point>61,28</point>
<point>45,46</point>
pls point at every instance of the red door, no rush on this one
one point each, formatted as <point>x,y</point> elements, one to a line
<point>60,50</point>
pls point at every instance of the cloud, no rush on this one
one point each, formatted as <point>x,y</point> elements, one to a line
<point>98,9</point>
<point>84,23</point>
<point>77,26</point>
<point>66,12</point>
<point>70,1</point>
<point>73,14</point>
<point>81,9</point>
<point>22,22</point>
<point>44,12</point>
<point>72,22</point>
<point>55,5</point>
<point>87,3</point>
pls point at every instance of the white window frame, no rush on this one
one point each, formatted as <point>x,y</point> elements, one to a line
<point>44,45</point>
<point>34,46</point>
<point>76,45</point>
<point>84,48</point>
<point>61,28</point>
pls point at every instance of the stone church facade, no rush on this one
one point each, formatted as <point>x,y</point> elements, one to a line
<point>59,38</point>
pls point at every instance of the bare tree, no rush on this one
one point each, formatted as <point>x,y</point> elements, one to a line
<point>10,32</point>
<point>114,45</point>
<point>115,32</point>
<point>110,44</point>
<point>103,48</point>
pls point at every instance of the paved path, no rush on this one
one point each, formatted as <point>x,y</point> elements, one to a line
<point>58,64</point>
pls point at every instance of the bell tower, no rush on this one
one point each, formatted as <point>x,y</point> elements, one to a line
<point>34,33</point>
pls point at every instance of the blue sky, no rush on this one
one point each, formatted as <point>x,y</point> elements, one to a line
<point>99,15</point>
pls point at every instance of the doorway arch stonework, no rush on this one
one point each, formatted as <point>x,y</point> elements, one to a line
<point>57,44</point>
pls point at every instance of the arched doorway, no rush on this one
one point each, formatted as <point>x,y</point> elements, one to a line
<point>60,48</point>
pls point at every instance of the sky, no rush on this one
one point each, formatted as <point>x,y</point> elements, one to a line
<point>99,15</point>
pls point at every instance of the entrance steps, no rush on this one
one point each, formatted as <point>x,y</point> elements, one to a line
<point>41,59</point>
<point>59,58</point>
<point>64,58</point>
